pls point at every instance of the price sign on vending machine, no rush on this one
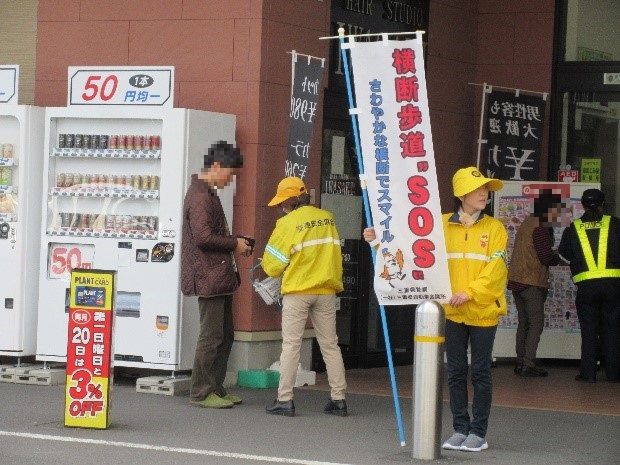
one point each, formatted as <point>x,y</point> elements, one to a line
<point>9,83</point>
<point>89,348</point>
<point>121,86</point>
<point>64,258</point>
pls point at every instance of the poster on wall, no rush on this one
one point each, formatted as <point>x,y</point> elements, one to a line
<point>305,96</point>
<point>512,138</point>
<point>399,166</point>
<point>512,205</point>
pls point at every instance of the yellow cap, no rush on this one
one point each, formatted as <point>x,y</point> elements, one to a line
<point>287,188</point>
<point>469,179</point>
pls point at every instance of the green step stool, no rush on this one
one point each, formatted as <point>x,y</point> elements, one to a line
<point>258,379</point>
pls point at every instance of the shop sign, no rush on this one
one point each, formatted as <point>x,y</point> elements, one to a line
<point>63,258</point>
<point>568,175</point>
<point>590,170</point>
<point>89,348</point>
<point>121,85</point>
<point>399,167</point>
<point>339,185</point>
<point>9,83</point>
<point>514,125</point>
<point>306,92</point>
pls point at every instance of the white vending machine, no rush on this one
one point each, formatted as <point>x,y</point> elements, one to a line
<point>21,157</point>
<point>113,194</point>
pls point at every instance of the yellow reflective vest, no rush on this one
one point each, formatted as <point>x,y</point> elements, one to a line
<point>477,265</point>
<point>598,269</point>
<point>304,248</point>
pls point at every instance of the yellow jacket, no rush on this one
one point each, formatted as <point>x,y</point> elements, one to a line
<point>477,265</point>
<point>304,248</point>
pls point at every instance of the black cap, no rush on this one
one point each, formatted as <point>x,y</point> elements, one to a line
<point>592,198</point>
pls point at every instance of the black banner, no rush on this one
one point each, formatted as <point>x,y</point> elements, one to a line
<point>514,130</point>
<point>305,94</point>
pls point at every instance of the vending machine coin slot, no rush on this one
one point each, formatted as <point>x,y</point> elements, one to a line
<point>4,230</point>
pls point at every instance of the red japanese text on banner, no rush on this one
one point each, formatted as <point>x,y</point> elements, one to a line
<point>399,162</point>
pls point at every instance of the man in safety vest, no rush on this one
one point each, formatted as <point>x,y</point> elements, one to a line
<point>591,245</point>
<point>304,248</point>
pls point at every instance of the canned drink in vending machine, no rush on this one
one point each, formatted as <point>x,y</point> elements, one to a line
<point>62,141</point>
<point>147,143</point>
<point>60,180</point>
<point>135,181</point>
<point>68,179</point>
<point>103,141</point>
<point>129,142</point>
<point>152,224</point>
<point>65,220</point>
<point>77,142</point>
<point>69,140</point>
<point>109,222</point>
<point>155,142</point>
<point>154,183</point>
<point>86,141</point>
<point>7,151</point>
<point>126,221</point>
<point>145,182</point>
<point>138,142</point>
<point>94,141</point>
<point>121,142</point>
<point>113,142</point>
<point>118,223</point>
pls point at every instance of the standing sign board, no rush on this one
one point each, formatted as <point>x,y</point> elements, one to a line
<point>121,86</point>
<point>399,162</point>
<point>513,135</point>
<point>89,348</point>
<point>561,336</point>
<point>9,84</point>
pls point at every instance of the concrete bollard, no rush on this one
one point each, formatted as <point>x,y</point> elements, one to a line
<point>430,325</point>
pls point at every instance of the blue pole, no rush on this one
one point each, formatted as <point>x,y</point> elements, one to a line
<point>360,164</point>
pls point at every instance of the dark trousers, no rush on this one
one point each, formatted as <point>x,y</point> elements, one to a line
<point>213,347</point>
<point>481,339</point>
<point>531,312</point>
<point>598,302</point>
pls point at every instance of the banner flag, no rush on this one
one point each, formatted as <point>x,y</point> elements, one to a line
<point>399,164</point>
<point>305,96</point>
<point>513,135</point>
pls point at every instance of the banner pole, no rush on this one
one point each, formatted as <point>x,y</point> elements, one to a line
<point>360,164</point>
<point>484,95</point>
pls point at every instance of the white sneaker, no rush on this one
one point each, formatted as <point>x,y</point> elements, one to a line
<point>454,442</point>
<point>474,443</point>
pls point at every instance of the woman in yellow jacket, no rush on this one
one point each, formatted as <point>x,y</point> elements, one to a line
<point>476,250</point>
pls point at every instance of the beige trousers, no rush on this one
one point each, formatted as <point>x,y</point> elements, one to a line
<point>322,312</point>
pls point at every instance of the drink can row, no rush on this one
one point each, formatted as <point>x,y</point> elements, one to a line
<point>135,142</point>
<point>110,223</point>
<point>83,141</point>
<point>137,182</point>
<point>6,150</point>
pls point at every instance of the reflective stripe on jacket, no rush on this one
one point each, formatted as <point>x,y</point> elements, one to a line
<point>598,269</point>
<point>477,265</point>
<point>304,248</point>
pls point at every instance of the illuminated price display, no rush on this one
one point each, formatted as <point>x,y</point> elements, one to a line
<point>9,83</point>
<point>89,349</point>
<point>121,86</point>
<point>64,258</point>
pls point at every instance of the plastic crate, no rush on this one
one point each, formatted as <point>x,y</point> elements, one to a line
<point>258,379</point>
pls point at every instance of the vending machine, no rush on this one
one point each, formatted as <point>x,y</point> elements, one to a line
<point>113,188</point>
<point>21,157</point>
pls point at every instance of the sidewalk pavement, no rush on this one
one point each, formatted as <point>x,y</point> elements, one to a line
<point>148,428</point>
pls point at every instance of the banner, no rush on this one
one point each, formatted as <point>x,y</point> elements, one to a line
<point>399,163</point>
<point>305,95</point>
<point>89,348</point>
<point>513,135</point>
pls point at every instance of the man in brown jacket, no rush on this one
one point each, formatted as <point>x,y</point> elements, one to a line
<point>528,278</point>
<point>208,271</point>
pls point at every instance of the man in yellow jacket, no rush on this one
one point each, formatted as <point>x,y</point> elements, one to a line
<point>304,249</point>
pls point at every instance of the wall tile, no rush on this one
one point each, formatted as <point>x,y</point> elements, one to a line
<point>216,9</point>
<point>221,97</point>
<point>63,44</point>
<point>94,10</point>
<point>199,50</point>
<point>59,10</point>
<point>534,38</point>
<point>496,38</point>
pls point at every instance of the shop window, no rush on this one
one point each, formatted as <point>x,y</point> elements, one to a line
<point>592,30</point>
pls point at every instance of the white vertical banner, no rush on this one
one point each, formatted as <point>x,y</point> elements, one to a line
<point>399,164</point>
